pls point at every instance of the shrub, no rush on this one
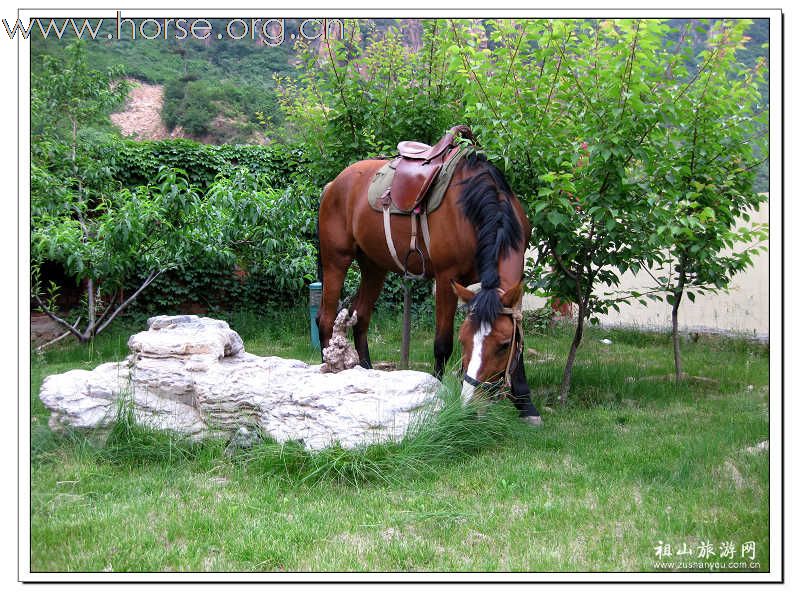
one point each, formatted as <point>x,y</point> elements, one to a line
<point>438,437</point>
<point>133,163</point>
<point>255,248</point>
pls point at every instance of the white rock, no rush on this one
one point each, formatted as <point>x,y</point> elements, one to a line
<point>191,375</point>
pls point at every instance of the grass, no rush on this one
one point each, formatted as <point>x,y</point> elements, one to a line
<point>633,461</point>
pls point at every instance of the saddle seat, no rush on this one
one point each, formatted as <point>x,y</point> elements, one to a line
<point>417,167</point>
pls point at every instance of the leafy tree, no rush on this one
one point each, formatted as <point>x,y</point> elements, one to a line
<point>588,117</point>
<point>67,95</point>
<point>80,218</point>
<point>101,244</point>
<point>707,183</point>
<point>349,102</point>
<point>591,95</point>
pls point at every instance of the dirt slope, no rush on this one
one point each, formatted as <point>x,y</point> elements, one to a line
<point>142,115</point>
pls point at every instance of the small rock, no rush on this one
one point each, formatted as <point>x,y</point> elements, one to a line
<point>475,537</point>
<point>759,447</point>
<point>242,438</point>
<point>738,481</point>
<point>340,354</point>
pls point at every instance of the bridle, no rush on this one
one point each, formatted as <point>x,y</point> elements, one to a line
<point>515,352</point>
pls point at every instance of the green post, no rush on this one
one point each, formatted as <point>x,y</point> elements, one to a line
<point>314,301</point>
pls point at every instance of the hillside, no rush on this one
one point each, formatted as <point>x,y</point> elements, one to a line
<point>223,91</point>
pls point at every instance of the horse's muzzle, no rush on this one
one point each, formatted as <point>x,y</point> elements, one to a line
<point>470,385</point>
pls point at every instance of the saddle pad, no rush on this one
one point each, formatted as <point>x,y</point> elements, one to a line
<point>382,180</point>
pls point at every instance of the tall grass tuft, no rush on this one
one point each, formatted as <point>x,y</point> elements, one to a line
<point>448,433</point>
<point>132,443</point>
<point>438,436</point>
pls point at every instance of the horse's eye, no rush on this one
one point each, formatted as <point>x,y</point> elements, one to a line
<point>503,346</point>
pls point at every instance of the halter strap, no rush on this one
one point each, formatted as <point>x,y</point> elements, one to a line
<point>471,380</point>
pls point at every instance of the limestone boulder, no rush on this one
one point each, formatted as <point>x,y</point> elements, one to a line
<point>192,375</point>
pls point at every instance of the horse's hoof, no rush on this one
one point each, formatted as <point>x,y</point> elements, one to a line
<point>533,420</point>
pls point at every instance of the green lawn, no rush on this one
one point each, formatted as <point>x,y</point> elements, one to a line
<point>633,461</point>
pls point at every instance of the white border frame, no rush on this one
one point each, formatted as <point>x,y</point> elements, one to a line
<point>776,265</point>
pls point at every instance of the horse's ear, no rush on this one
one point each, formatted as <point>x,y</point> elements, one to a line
<point>463,293</point>
<point>512,296</point>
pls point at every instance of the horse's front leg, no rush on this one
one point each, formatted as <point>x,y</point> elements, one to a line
<point>446,303</point>
<point>521,395</point>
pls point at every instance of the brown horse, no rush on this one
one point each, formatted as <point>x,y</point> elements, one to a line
<point>479,233</point>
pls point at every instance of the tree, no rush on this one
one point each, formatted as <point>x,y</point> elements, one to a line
<point>355,98</point>
<point>102,245</point>
<point>66,183</point>
<point>717,142</point>
<point>588,99</point>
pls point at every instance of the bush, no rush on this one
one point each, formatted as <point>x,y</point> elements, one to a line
<point>452,433</point>
<point>254,250</point>
<point>366,100</point>
<point>133,163</point>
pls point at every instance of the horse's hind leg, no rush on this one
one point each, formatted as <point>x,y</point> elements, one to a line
<point>446,304</point>
<point>333,274</point>
<point>372,278</point>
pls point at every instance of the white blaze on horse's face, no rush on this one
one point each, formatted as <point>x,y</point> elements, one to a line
<point>474,365</point>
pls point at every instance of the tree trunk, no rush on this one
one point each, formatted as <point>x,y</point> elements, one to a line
<point>676,342</point>
<point>566,381</point>
<point>92,312</point>
<point>105,319</point>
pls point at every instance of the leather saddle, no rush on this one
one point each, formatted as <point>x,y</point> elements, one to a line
<point>417,167</point>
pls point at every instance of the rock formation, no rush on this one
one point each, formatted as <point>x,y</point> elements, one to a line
<point>340,354</point>
<point>191,375</point>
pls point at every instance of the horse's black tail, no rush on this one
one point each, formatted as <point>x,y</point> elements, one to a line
<point>319,254</point>
<point>316,236</point>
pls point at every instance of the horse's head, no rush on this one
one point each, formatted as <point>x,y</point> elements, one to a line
<point>489,349</point>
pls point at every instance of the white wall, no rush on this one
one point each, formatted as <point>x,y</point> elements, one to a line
<point>743,309</point>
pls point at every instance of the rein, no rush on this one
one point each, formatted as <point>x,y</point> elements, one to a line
<point>517,341</point>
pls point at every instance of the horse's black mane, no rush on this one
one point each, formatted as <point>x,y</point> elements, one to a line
<point>486,202</point>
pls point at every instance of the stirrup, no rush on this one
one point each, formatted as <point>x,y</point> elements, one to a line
<point>408,274</point>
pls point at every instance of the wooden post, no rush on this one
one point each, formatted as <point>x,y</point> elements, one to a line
<point>406,324</point>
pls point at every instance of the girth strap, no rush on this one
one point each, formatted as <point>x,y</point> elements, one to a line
<point>387,230</point>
